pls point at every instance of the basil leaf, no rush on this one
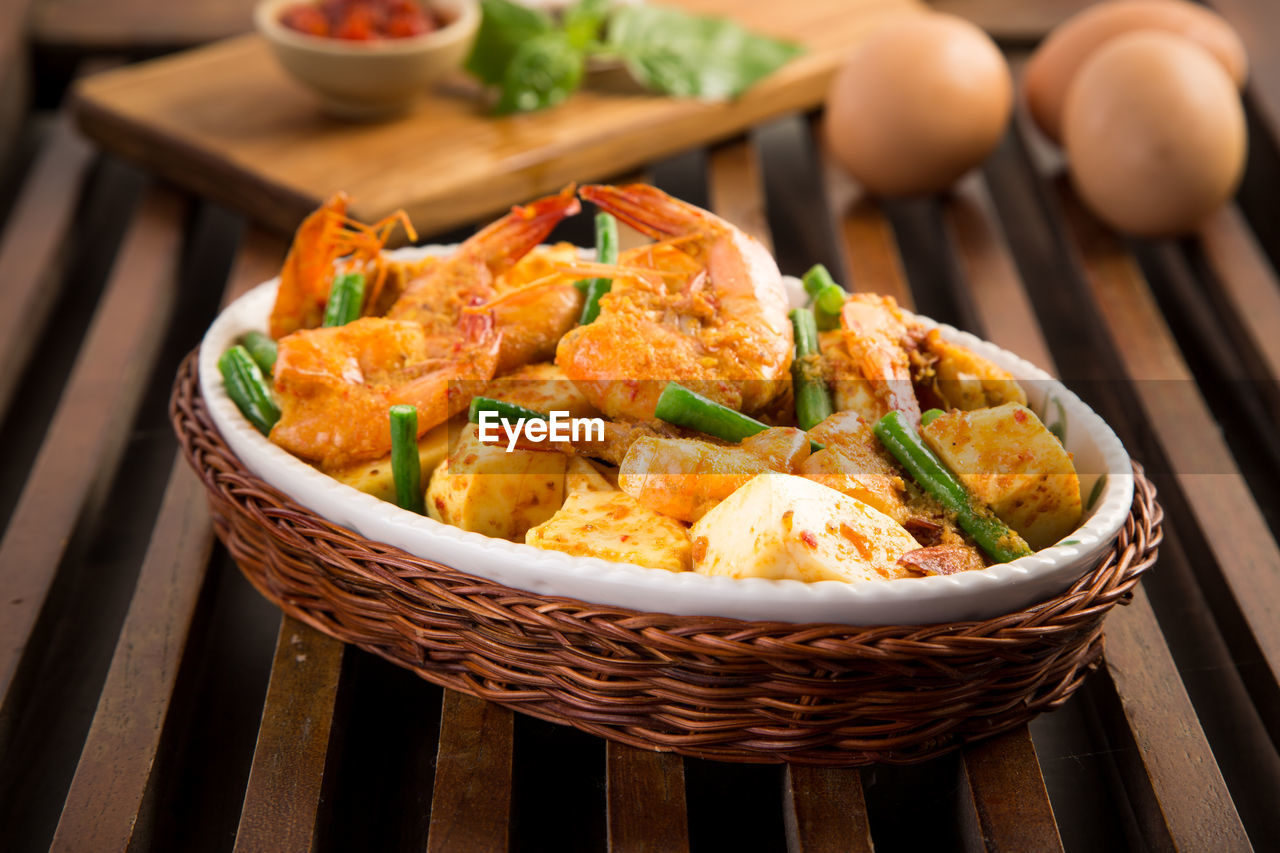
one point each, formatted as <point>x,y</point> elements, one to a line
<point>545,70</point>
<point>584,20</point>
<point>504,28</point>
<point>693,56</point>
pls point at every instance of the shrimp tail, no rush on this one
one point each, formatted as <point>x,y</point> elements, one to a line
<point>647,209</point>
<point>506,241</point>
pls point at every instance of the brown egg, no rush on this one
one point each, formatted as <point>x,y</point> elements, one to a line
<point>1055,63</point>
<point>1154,133</point>
<point>917,104</point>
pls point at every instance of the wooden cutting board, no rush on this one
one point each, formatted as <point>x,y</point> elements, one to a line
<point>226,122</point>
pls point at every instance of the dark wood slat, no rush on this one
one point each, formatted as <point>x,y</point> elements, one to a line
<point>824,810</point>
<point>87,434</point>
<point>103,804</point>
<point>1021,21</point>
<point>471,800</point>
<point>133,24</point>
<point>872,261</point>
<point>736,188</point>
<point>1258,23</point>
<point>646,801</point>
<point>1009,800</point>
<point>282,799</point>
<point>1134,638</point>
<point>1180,420</point>
<point>1248,282</point>
<point>997,293</point>
<point>30,254</point>
<point>1181,797</point>
<point>993,281</point>
<point>14,80</point>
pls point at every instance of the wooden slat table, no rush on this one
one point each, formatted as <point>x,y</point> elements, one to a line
<point>151,700</point>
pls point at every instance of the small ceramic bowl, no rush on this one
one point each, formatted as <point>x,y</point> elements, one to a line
<point>369,80</point>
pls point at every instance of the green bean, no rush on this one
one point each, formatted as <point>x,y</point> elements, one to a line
<point>406,464</point>
<point>813,399</point>
<point>930,415</point>
<point>817,279</point>
<point>991,534</point>
<point>822,288</point>
<point>346,297</point>
<point>262,349</point>
<point>825,320</point>
<point>827,297</point>
<point>248,389</point>
<point>606,253</point>
<point>682,407</point>
<point>505,411</point>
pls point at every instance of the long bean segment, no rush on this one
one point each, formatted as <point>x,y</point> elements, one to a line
<point>606,253</point>
<point>827,296</point>
<point>682,407</point>
<point>247,388</point>
<point>262,349</point>
<point>406,465</point>
<point>813,398</point>
<point>346,297</point>
<point>992,535</point>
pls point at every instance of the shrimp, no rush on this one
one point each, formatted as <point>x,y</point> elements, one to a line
<point>878,340</point>
<point>313,259</point>
<point>436,348</point>
<point>467,277</point>
<point>336,384</point>
<point>890,360</point>
<point>705,307</point>
<point>533,314</point>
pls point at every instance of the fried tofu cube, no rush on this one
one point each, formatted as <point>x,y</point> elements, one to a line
<point>783,526</point>
<point>375,478</point>
<point>1008,460</point>
<point>485,489</point>
<point>614,526</point>
<point>582,475</point>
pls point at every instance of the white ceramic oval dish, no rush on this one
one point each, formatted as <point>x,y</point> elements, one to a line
<point>968,595</point>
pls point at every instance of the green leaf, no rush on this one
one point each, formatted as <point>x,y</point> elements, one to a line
<point>504,28</point>
<point>584,20</point>
<point>545,70</point>
<point>692,56</point>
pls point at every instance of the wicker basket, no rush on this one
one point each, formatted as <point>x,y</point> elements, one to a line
<point>710,687</point>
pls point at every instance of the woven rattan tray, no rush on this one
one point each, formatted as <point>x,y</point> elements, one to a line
<point>710,687</point>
